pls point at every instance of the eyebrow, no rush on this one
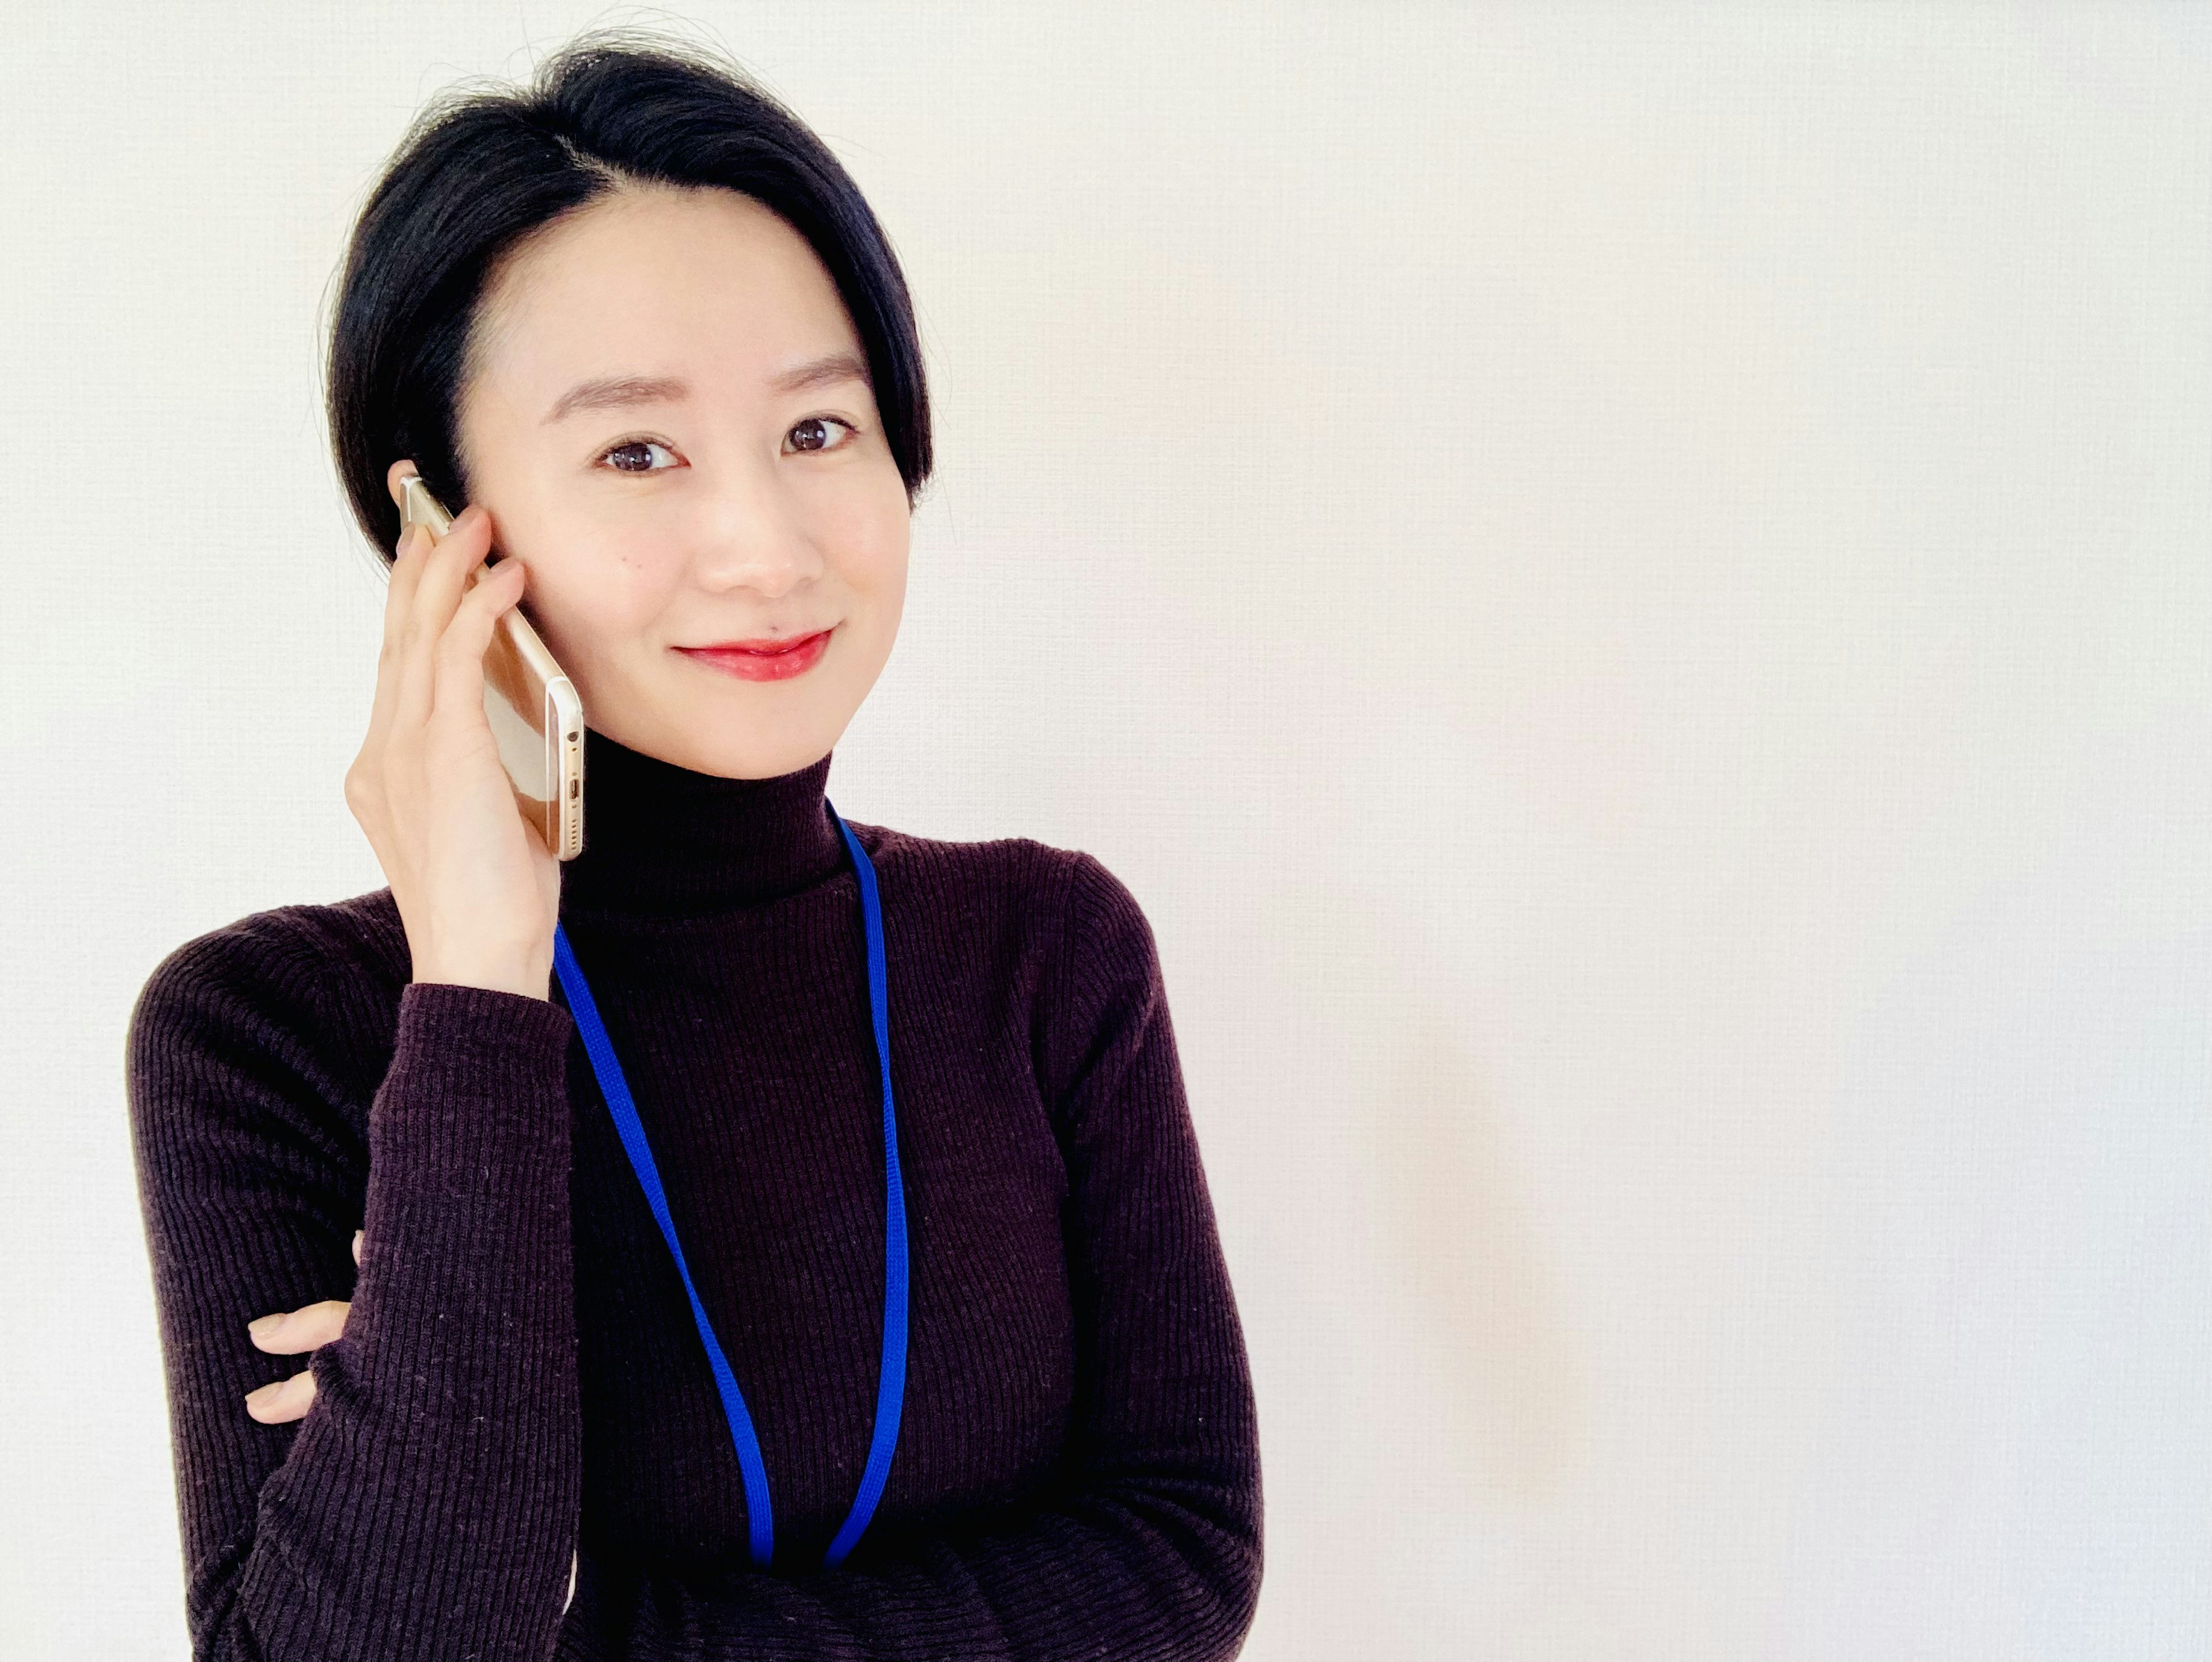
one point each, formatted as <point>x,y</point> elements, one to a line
<point>613,392</point>
<point>825,371</point>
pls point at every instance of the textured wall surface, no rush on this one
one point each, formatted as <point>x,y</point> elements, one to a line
<point>1628,587</point>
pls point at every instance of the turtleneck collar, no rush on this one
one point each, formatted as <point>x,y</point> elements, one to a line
<point>660,840</point>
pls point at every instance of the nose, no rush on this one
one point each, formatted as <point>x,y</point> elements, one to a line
<point>751,533</point>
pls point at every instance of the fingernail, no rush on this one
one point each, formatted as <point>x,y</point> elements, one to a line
<point>262,1326</point>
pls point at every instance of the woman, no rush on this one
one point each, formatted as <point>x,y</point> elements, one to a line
<point>639,319</point>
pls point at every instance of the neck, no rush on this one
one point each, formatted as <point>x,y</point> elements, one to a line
<point>660,840</point>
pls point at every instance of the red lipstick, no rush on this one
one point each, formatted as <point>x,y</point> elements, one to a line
<point>765,659</point>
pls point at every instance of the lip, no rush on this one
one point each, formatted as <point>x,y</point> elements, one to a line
<point>762,659</point>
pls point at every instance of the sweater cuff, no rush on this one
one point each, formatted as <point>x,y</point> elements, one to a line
<point>477,1091</point>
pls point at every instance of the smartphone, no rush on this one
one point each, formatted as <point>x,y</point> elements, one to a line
<point>532,706</point>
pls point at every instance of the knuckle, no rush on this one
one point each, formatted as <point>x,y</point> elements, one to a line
<point>298,1395</point>
<point>460,646</point>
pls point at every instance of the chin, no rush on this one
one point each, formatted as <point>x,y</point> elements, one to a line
<point>743,743</point>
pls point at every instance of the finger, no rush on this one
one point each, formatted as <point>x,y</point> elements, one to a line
<point>408,558</point>
<point>437,593</point>
<point>356,1247</point>
<point>398,601</point>
<point>290,1331</point>
<point>286,1399</point>
<point>407,555</point>
<point>461,649</point>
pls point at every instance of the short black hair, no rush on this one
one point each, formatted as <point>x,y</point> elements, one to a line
<point>481,169</point>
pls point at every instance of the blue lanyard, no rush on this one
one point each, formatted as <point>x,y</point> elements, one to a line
<point>890,1389</point>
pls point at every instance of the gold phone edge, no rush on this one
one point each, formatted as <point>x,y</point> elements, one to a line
<point>564,825</point>
<point>564,738</point>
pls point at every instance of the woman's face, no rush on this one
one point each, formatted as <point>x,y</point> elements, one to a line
<point>668,418</point>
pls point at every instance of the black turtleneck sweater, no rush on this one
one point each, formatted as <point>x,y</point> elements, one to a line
<point>520,1387</point>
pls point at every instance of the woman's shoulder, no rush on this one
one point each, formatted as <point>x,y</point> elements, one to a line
<point>1064,909</point>
<point>310,985</point>
<point>1046,884</point>
<point>300,951</point>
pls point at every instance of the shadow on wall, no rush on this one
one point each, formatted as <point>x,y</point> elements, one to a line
<point>1458,1235</point>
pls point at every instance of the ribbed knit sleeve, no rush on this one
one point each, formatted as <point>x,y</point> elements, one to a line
<point>425,1507</point>
<point>1150,1547</point>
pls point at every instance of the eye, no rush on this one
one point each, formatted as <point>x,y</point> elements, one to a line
<point>634,456</point>
<point>814,440</point>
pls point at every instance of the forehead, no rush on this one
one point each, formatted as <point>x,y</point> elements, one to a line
<point>657,280</point>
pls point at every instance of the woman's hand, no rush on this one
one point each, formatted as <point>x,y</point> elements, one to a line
<point>309,1327</point>
<point>287,1333</point>
<point>478,889</point>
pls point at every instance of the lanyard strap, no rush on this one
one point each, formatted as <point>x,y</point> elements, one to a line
<point>890,1388</point>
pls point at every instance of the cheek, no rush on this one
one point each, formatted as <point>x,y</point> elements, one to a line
<point>876,579</point>
<point>870,539</point>
<point>599,602</point>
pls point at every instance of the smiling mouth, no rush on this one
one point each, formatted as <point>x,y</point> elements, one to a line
<point>763,661</point>
<point>767,644</point>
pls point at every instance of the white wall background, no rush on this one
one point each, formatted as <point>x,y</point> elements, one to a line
<point>1628,586</point>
